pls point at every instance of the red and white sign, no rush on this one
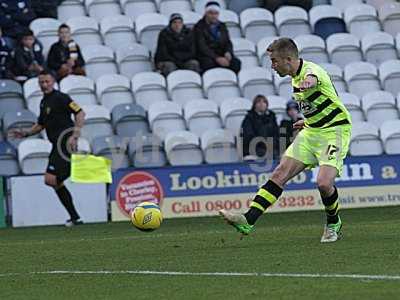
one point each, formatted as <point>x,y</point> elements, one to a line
<point>135,188</point>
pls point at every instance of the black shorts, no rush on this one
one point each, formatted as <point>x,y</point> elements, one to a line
<point>59,162</point>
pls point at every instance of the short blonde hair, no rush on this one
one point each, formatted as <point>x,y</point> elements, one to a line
<point>285,47</point>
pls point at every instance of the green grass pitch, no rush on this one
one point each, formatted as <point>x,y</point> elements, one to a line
<point>282,243</point>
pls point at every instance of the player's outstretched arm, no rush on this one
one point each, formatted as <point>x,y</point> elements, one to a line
<point>21,133</point>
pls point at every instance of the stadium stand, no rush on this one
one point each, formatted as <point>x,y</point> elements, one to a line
<point>358,43</point>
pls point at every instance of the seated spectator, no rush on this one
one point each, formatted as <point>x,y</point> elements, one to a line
<point>15,17</point>
<point>176,48</point>
<point>286,126</point>
<point>65,56</point>
<point>273,5</point>
<point>260,130</point>
<point>5,59</point>
<point>45,8</point>
<point>28,57</point>
<point>214,47</point>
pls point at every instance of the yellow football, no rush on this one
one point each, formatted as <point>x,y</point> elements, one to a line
<point>147,216</point>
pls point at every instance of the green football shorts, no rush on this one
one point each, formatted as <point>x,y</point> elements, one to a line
<point>318,147</point>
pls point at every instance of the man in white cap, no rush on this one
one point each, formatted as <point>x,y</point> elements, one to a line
<point>214,46</point>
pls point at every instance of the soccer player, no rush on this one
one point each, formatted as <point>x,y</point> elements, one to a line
<point>55,116</point>
<point>323,140</point>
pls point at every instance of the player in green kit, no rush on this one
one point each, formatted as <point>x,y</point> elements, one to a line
<point>323,140</point>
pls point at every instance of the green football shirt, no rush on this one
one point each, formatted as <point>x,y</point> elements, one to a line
<point>320,105</point>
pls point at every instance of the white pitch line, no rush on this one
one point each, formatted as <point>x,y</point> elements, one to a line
<point>210,274</point>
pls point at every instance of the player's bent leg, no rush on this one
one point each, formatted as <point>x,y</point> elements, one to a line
<point>330,199</point>
<point>266,196</point>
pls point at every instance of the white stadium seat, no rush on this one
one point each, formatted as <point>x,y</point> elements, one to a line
<point>262,46</point>
<point>129,120</point>
<point>183,148</point>
<point>114,148</point>
<point>278,105</point>
<point>390,134</point>
<point>199,5</point>
<point>85,31</point>
<point>202,115</point>
<point>398,44</point>
<point>365,139</point>
<point>80,88</point>
<point>256,81</point>
<point>117,31</point>
<point>149,87</point>
<point>165,117</point>
<point>148,26</point>
<point>184,85</point>
<point>220,84</point>
<point>33,156</point>
<point>135,8</point>
<point>379,106</point>
<point>283,85</point>
<point>320,12</point>
<point>190,18</point>
<point>133,59</point>
<point>231,20</point>
<point>361,19</point>
<point>389,73</point>
<point>361,78</point>
<point>233,111</point>
<point>99,9</point>
<point>343,48</point>
<point>292,21</point>
<point>168,7</point>
<point>146,151</point>
<point>353,105</point>
<point>378,3</point>
<point>389,15</point>
<point>70,8</point>
<point>311,47</point>
<point>99,60</point>
<point>343,4</point>
<point>11,96</point>
<point>336,74</point>
<point>245,50</point>
<point>257,23</point>
<point>46,30</point>
<point>112,90</point>
<point>97,122</point>
<point>378,47</point>
<point>219,147</point>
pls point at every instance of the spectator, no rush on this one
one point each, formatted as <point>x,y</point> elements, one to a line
<point>28,57</point>
<point>175,48</point>
<point>214,47</point>
<point>65,56</point>
<point>5,59</point>
<point>260,122</point>
<point>286,126</point>
<point>45,8</point>
<point>273,5</point>
<point>15,17</point>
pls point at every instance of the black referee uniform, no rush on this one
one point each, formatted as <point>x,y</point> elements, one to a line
<point>56,109</point>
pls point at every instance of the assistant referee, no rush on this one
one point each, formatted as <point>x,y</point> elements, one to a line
<point>56,109</point>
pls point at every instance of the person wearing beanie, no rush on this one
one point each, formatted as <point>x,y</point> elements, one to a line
<point>286,126</point>
<point>176,47</point>
<point>214,46</point>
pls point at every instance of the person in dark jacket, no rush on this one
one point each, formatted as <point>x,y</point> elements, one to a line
<point>176,48</point>
<point>15,17</point>
<point>65,56</point>
<point>45,8</point>
<point>214,47</point>
<point>287,132</point>
<point>5,59</point>
<point>28,57</point>
<point>260,130</point>
<point>273,5</point>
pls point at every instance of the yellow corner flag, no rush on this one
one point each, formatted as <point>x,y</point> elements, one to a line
<point>90,169</point>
